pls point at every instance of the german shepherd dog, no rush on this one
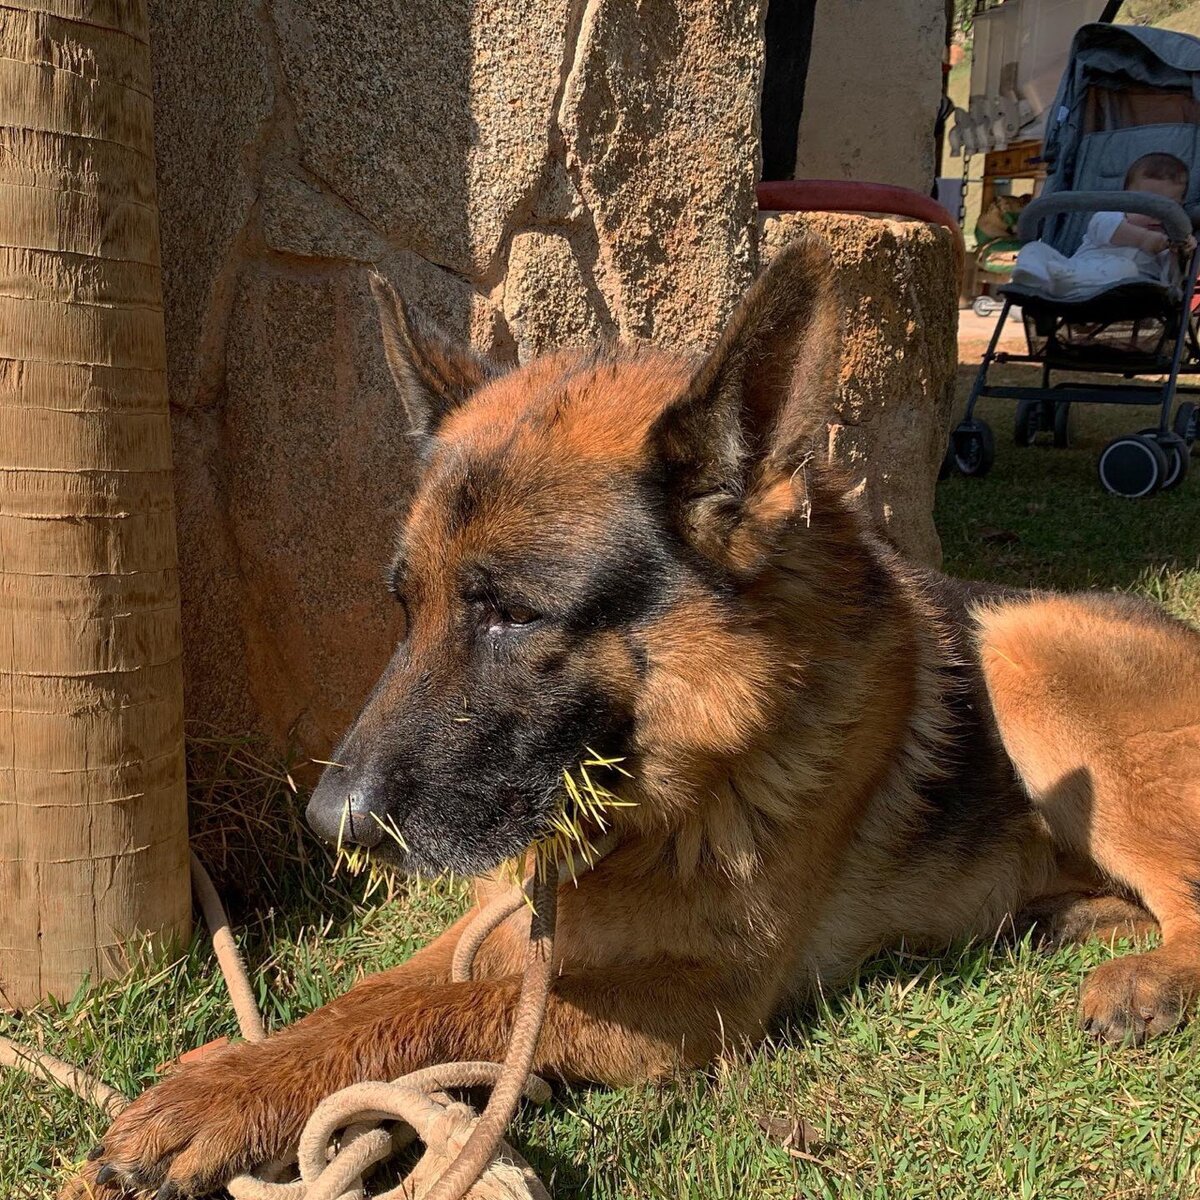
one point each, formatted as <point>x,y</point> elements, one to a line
<point>830,750</point>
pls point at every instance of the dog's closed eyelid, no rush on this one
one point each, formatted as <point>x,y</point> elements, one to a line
<point>405,623</point>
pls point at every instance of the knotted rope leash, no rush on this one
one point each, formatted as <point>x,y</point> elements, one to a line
<point>468,1152</point>
<point>465,1154</point>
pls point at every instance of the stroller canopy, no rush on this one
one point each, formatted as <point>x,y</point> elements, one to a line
<point>1127,91</point>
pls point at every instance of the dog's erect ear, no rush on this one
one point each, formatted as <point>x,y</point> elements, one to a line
<point>433,375</point>
<point>752,400</point>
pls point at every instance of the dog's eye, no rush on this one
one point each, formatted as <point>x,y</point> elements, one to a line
<point>512,616</point>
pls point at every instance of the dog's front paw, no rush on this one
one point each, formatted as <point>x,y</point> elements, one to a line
<point>191,1133</point>
<point>1126,1000</point>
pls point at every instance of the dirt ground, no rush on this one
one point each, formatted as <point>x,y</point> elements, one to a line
<point>974,332</point>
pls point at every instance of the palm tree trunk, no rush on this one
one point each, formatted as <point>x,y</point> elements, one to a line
<point>93,825</point>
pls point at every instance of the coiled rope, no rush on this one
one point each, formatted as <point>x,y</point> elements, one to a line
<point>465,1154</point>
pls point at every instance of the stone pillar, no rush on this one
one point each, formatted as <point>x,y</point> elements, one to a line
<point>872,93</point>
<point>886,428</point>
<point>528,175</point>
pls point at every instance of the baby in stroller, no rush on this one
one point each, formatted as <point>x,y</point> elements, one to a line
<point>1116,245</point>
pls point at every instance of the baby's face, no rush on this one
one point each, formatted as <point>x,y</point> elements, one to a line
<point>1160,187</point>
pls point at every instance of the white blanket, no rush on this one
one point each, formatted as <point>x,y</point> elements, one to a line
<point>1096,265</point>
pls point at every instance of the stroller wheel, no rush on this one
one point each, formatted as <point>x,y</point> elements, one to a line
<point>1133,465</point>
<point>1187,421</point>
<point>1030,422</point>
<point>984,306</point>
<point>973,447</point>
<point>1179,457</point>
<point>1062,423</point>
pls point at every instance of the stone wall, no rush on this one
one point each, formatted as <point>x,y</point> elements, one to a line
<point>872,93</point>
<point>886,428</point>
<point>528,174</point>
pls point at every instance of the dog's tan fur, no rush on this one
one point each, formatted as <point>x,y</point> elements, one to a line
<point>856,752</point>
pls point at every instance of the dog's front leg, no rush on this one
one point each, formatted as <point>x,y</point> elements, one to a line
<point>244,1105</point>
<point>247,1099</point>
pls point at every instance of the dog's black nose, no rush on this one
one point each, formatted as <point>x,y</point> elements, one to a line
<point>340,811</point>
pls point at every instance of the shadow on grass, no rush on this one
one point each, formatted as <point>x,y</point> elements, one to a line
<point>568,1173</point>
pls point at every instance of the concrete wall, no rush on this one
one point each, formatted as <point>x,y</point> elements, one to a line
<point>872,92</point>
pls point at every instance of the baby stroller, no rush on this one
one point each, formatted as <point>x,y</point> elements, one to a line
<point>1126,92</point>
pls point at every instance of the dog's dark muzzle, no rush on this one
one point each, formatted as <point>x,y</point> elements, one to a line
<point>342,810</point>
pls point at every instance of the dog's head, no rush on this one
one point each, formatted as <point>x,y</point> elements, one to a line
<point>574,570</point>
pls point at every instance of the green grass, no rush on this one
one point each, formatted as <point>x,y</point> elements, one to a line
<point>957,1076</point>
<point>1041,518</point>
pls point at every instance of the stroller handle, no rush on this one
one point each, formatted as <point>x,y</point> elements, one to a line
<point>1176,221</point>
